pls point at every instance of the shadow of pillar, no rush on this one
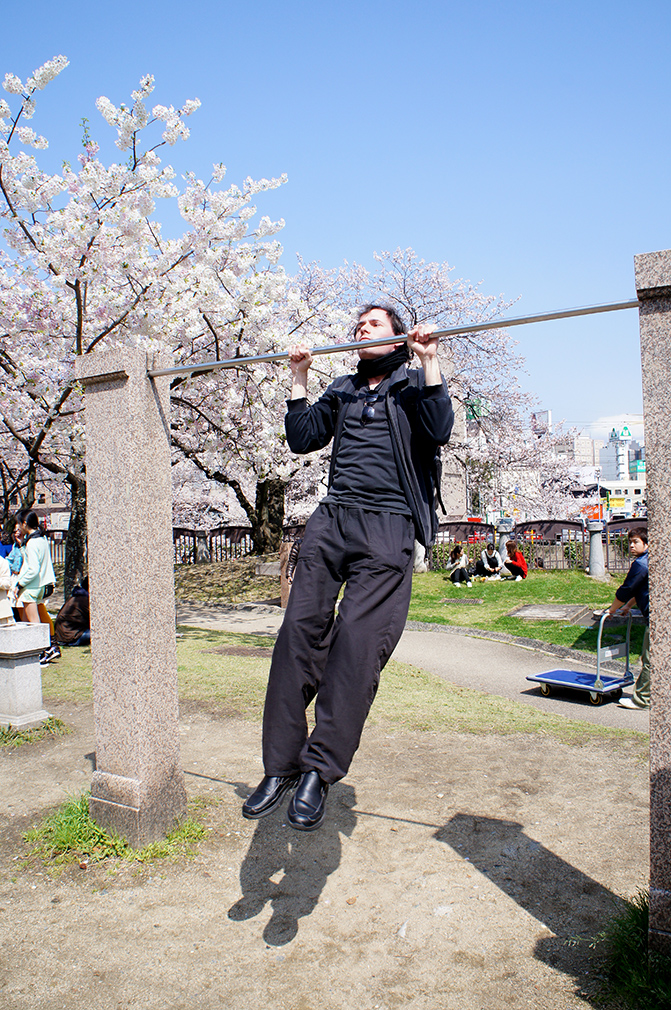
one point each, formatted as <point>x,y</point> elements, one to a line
<point>303,859</point>
<point>572,905</point>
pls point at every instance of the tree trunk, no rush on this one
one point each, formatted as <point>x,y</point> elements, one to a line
<point>269,516</point>
<point>28,498</point>
<point>75,544</point>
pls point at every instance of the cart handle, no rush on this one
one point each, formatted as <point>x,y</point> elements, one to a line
<point>598,682</point>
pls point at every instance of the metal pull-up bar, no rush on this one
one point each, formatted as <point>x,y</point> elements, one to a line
<point>453,331</point>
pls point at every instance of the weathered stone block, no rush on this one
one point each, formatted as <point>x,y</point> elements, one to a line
<point>20,674</point>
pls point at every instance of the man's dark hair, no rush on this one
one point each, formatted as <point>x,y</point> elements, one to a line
<point>641,532</point>
<point>397,324</point>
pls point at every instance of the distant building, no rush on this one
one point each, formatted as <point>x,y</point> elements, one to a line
<point>580,450</point>
<point>52,503</point>
<point>636,461</point>
<point>614,457</point>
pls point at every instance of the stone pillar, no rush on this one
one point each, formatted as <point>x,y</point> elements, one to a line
<point>653,284</point>
<point>504,528</point>
<point>597,566</point>
<point>138,786</point>
<point>21,675</point>
<point>202,550</point>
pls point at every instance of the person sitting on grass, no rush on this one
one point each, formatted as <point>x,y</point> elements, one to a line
<point>634,589</point>
<point>490,563</point>
<point>515,561</point>
<point>72,625</point>
<point>458,568</point>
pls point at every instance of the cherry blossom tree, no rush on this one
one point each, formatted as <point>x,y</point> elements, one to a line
<point>492,446</point>
<point>86,267</point>
<point>495,454</point>
<point>230,425</point>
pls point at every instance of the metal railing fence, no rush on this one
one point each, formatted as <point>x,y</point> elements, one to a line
<point>56,540</point>
<point>226,542</point>
<point>555,545</point>
<point>471,537</point>
<point>547,544</point>
<point>616,543</point>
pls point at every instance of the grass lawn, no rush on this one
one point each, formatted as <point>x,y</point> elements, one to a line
<point>229,671</point>
<point>235,582</point>
<point>231,581</point>
<point>429,592</point>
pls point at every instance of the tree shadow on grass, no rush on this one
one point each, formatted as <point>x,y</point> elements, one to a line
<point>288,869</point>
<point>572,905</point>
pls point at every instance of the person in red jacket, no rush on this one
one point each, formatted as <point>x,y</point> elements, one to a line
<point>515,562</point>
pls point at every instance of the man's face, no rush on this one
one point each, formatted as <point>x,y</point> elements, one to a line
<point>371,326</point>
<point>637,546</point>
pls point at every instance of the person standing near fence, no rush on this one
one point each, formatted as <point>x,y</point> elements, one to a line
<point>635,590</point>
<point>36,578</point>
<point>387,422</point>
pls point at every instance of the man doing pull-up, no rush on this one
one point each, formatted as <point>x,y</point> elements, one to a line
<point>387,422</point>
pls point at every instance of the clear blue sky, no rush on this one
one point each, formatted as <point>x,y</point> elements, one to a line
<point>526,143</point>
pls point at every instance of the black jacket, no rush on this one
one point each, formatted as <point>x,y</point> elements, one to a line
<point>636,585</point>
<point>420,420</point>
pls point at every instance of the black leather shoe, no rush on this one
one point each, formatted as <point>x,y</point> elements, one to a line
<point>268,795</point>
<point>308,804</point>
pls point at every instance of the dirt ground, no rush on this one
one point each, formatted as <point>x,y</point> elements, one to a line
<point>452,872</point>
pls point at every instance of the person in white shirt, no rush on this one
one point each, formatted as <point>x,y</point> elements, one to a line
<point>490,563</point>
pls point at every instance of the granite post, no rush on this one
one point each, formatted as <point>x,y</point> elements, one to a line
<point>597,566</point>
<point>202,550</point>
<point>653,284</point>
<point>137,789</point>
<point>21,674</point>
<point>504,528</point>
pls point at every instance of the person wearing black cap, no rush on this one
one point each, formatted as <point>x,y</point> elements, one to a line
<point>387,423</point>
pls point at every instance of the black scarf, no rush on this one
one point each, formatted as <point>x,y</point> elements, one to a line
<point>372,367</point>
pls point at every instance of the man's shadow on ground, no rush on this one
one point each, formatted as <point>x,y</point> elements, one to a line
<point>573,906</point>
<point>288,869</point>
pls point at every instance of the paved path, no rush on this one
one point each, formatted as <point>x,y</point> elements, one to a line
<point>501,668</point>
<point>496,667</point>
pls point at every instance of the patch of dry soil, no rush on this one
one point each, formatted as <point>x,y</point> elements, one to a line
<point>453,871</point>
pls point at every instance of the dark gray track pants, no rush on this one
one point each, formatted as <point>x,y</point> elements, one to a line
<point>338,660</point>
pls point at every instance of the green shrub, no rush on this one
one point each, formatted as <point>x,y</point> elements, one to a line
<point>639,979</point>
<point>573,552</point>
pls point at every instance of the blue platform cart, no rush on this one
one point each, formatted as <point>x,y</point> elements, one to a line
<point>598,686</point>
